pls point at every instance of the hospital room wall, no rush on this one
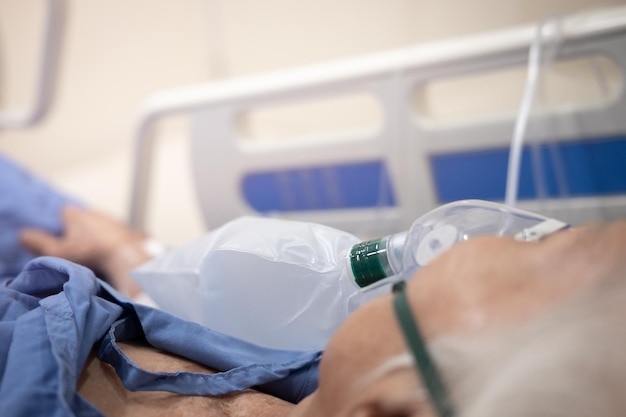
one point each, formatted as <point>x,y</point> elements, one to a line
<point>115,53</point>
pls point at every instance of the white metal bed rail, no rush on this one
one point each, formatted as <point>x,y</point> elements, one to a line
<point>45,74</point>
<point>402,143</point>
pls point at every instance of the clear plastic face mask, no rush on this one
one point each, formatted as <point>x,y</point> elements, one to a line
<point>442,228</point>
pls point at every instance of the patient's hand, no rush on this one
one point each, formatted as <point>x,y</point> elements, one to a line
<point>95,240</point>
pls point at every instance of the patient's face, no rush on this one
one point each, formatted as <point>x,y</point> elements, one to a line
<point>477,284</point>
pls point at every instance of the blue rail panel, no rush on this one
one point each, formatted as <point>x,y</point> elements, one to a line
<point>329,187</point>
<point>589,167</point>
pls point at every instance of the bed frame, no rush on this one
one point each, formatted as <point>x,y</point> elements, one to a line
<point>47,56</point>
<point>381,180</point>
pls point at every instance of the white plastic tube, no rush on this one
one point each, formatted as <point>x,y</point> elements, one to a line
<point>545,29</point>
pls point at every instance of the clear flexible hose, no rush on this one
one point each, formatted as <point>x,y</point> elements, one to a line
<point>536,54</point>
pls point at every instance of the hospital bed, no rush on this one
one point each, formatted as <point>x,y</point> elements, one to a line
<point>380,179</point>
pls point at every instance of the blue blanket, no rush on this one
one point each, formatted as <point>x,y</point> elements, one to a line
<point>25,201</point>
<point>54,312</point>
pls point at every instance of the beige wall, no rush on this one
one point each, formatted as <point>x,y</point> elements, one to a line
<point>116,52</point>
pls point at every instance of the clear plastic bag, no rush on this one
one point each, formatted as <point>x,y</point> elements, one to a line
<point>276,283</point>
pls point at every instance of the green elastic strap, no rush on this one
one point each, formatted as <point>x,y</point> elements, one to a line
<point>427,369</point>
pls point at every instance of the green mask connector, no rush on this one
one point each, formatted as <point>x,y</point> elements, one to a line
<point>369,262</point>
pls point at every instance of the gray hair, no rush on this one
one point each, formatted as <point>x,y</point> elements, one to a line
<point>568,363</point>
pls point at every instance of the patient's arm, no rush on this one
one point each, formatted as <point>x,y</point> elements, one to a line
<point>97,241</point>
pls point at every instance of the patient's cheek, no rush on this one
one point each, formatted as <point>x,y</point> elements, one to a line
<point>497,281</point>
<point>467,287</point>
